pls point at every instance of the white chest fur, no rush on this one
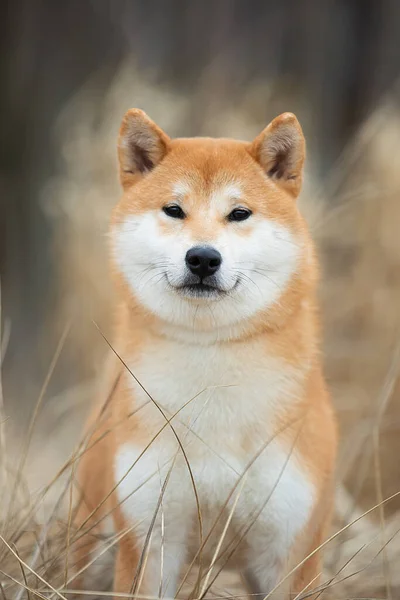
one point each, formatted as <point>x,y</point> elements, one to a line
<point>233,384</point>
<point>226,398</point>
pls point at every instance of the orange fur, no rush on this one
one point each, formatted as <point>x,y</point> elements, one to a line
<point>269,172</point>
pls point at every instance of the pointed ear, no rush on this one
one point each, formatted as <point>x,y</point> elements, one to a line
<point>141,145</point>
<point>280,150</point>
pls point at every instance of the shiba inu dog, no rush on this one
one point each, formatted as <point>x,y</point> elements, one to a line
<point>217,440</point>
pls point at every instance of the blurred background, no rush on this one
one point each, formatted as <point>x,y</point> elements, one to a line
<point>68,73</point>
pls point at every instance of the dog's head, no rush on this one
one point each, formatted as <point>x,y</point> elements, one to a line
<point>207,233</point>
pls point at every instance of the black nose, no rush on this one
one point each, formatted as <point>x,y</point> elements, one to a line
<point>203,261</point>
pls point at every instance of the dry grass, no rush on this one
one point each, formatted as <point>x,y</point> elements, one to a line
<point>354,217</point>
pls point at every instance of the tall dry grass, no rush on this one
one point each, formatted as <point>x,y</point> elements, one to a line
<point>354,216</point>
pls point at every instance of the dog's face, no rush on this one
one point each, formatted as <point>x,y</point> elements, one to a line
<point>207,232</point>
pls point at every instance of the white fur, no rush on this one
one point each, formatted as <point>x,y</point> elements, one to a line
<point>234,392</point>
<point>180,190</point>
<point>229,387</point>
<point>225,196</point>
<point>255,268</point>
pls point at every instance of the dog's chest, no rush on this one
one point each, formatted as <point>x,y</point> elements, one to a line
<point>227,390</point>
<point>222,404</point>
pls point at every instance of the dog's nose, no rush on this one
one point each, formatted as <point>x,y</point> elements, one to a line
<point>203,261</point>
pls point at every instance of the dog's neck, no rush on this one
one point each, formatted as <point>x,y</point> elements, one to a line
<point>293,327</point>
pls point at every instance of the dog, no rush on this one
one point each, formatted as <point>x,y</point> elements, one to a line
<point>216,440</point>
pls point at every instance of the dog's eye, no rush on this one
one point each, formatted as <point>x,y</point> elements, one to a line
<point>174,211</point>
<point>239,214</point>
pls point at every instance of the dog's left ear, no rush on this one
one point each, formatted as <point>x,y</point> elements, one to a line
<point>142,145</point>
<point>280,150</point>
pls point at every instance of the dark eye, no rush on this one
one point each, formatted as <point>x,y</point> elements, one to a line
<point>174,211</point>
<point>239,214</point>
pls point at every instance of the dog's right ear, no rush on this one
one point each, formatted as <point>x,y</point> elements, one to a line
<point>141,146</point>
<point>280,151</point>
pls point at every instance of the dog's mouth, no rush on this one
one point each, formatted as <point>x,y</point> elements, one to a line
<point>200,290</point>
<point>208,289</point>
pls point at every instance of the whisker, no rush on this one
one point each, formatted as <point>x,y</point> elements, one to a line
<point>263,272</point>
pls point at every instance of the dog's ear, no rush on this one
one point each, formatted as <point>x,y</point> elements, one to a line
<point>141,146</point>
<point>280,150</point>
